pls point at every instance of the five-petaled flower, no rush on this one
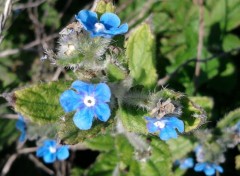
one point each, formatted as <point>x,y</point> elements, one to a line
<point>108,26</point>
<point>185,163</point>
<point>50,151</point>
<point>166,125</point>
<point>21,126</point>
<point>89,101</point>
<point>208,168</point>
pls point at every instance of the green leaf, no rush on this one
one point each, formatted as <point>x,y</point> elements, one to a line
<point>237,162</point>
<point>103,6</point>
<point>70,134</point>
<point>40,103</point>
<point>180,147</point>
<point>101,143</point>
<point>205,102</point>
<point>230,42</point>
<point>76,171</point>
<point>104,165</point>
<point>123,161</point>
<point>140,50</point>
<point>132,120</point>
<point>9,133</point>
<point>193,115</point>
<point>160,162</point>
<point>230,119</point>
<point>226,13</point>
<point>114,73</point>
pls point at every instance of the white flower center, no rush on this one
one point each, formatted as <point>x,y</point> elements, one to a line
<point>52,149</point>
<point>159,124</point>
<point>89,101</point>
<point>99,27</point>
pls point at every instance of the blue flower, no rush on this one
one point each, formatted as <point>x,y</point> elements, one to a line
<point>50,151</point>
<point>89,101</point>
<point>166,126</point>
<point>21,126</point>
<point>208,168</point>
<point>200,154</point>
<point>108,26</point>
<point>185,163</point>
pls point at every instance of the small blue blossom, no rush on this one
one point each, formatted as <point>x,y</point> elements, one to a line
<point>21,126</point>
<point>89,101</point>
<point>208,168</point>
<point>108,26</point>
<point>166,125</point>
<point>199,152</point>
<point>185,163</point>
<point>50,151</point>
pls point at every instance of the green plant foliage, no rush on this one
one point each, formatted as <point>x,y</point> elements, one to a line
<point>230,42</point>
<point>103,6</point>
<point>114,73</point>
<point>237,162</point>
<point>122,160</point>
<point>230,119</point>
<point>205,102</point>
<point>101,142</point>
<point>40,103</point>
<point>133,120</point>
<point>140,50</point>
<point>9,133</point>
<point>70,134</point>
<point>160,162</point>
<point>223,12</point>
<point>104,165</point>
<point>180,147</point>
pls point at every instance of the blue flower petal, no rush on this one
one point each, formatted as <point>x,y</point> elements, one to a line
<point>49,143</point>
<point>120,30</point>
<point>22,137</point>
<point>167,133</point>
<point>83,118</point>
<point>199,167</point>
<point>150,119</point>
<point>87,19</point>
<point>218,168</point>
<point>102,111</point>
<point>186,163</point>
<point>82,87</point>
<point>41,151</point>
<point>20,124</point>
<point>208,170</point>
<point>176,123</point>
<point>151,127</point>
<point>70,100</point>
<point>62,153</point>
<point>102,92</point>
<point>49,157</point>
<point>110,20</point>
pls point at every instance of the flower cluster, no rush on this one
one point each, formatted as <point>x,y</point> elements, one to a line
<point>185,163</point>
<point>208,168</point>
<point>21,126</point>
<point>89,101</point>
<point>108,26</point>
<point>166,126</point>
<point>50,151</point>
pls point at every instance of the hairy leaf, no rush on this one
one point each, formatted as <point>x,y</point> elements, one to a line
<point>40,103</point>
<point>70,134</point>
<point>141,54</point>
<point>230,119</point>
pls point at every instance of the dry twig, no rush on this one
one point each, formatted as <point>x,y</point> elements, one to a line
<point>200,42</point>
